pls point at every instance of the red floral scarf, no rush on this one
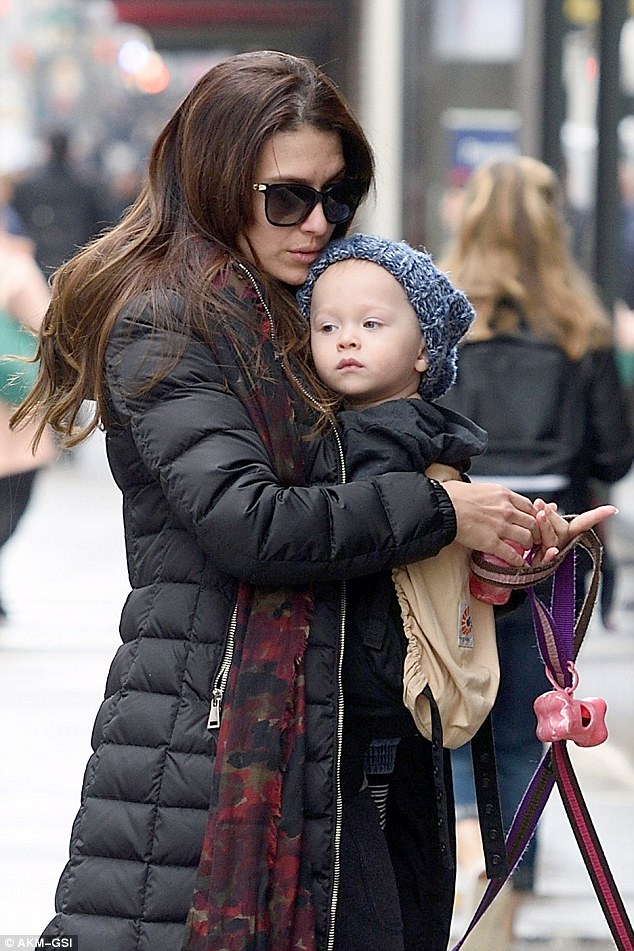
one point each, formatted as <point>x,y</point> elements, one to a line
<point>253,885</point>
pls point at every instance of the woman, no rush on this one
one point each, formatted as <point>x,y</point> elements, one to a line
<point>538,373</point>
<point>181,324</point>
<point>24,297</point>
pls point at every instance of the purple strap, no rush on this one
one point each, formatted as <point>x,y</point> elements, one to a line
<point>562,619</point>
<point>559,638</point>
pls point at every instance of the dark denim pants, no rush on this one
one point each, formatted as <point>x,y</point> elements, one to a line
<point>15,492</point>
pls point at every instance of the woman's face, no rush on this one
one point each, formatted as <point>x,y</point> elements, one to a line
<point>307,156</point>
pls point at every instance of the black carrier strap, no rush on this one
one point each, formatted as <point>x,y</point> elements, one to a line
<point>487,796</point>
<point>438,766</point>
<point>488,800</point>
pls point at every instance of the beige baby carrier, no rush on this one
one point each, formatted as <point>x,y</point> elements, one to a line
<point>451,646</point>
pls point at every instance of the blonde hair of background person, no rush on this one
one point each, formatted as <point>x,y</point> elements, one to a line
<point>511,244</point>
<point>24,296</point>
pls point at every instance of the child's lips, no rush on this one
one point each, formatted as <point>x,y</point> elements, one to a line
<point>349,362</point>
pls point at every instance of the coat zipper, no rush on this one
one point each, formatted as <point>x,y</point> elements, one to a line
<point>336,865</point>
<point>220,681</point>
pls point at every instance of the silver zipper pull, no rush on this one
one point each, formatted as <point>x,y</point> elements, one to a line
<point>214,709</point>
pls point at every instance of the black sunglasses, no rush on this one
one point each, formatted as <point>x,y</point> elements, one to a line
<point>287,203</point>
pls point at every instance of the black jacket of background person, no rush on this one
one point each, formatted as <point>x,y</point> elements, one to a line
<point>554,425</point>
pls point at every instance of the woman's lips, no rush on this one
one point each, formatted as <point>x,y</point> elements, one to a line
<point>306,256</point>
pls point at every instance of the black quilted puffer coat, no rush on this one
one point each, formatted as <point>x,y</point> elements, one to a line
<point>203,510</point>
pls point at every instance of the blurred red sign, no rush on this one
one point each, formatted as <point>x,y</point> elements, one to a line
<point>204,12</point>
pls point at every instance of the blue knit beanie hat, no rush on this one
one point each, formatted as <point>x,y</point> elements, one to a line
<point>443,312</point>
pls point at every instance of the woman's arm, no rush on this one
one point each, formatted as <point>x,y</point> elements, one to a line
<point>407,435</point>
<point>197,440</point>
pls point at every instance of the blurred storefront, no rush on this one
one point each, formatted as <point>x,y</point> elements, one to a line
<point>551,78</point>
<point>316,28</point>
<point>439,85</point>
<point>110,72</point>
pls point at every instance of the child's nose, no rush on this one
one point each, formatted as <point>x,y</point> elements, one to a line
<point>347,338</point>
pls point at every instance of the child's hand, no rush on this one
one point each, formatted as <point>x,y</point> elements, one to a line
<point>556,531</point>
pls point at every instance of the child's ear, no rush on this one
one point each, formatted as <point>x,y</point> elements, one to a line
<point>422,361</point>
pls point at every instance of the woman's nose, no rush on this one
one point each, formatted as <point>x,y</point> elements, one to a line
<point>316,222</point>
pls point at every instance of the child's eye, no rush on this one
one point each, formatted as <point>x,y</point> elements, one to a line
<point>371,324</point>
<point>327,328</point>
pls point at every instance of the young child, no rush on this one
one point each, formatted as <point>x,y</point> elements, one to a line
<point>384,327</point>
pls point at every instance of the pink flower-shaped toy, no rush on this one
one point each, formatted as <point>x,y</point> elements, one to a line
<point>561,717</point>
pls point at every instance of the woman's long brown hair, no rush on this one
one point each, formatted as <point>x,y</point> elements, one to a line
<point>184,227</point>
<point>511,257</point>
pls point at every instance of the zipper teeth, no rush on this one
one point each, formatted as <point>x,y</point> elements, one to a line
<point>223,673</point>
<point>336,866</point>
<point>267,310</point>
<point>222,676</point>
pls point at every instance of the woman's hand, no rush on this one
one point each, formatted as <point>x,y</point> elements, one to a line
<point>556,531</point>
<point>489,516</point>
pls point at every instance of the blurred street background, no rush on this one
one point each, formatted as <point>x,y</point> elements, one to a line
<point>440,86</point>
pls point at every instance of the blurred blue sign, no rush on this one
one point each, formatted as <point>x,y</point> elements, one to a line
<point>474,136</point>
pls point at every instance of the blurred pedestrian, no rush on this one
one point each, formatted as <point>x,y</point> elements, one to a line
<point>124,173</point>
<point>60,208</point>
<point>538,373</point>
<point>24,297</point>
<point>10,221</point>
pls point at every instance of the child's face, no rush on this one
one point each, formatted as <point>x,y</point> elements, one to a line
<point>366,340</point>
